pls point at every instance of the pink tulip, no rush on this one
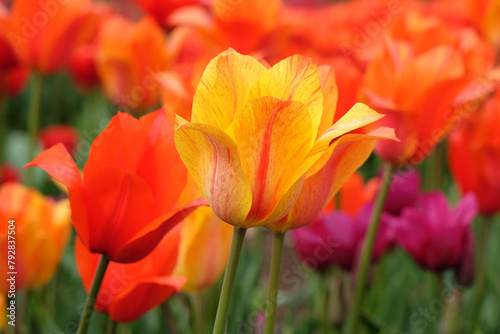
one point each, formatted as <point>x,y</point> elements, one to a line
<point>437,236</point>
<point>336,238</point>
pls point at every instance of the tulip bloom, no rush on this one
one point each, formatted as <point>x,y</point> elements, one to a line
<point>124,202</point>
<point>160,10</point>
<point>403,191</point>
<point>44,33</point>
<point>438,237</point>
<point>256,132</point>
<point>130,290</point>
<point>8,173</point>
<point>204,249</point>
<point>129,60</point>
<point>427,79</point>
<point>55,134</point>
<point>42,228</point>
<point>474,150</point>
<point>336,238</point>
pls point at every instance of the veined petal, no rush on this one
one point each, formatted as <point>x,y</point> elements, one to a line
<point>224,88</point>
<point>359,116</point>
<point>273,137</point>
<point>330,97</point>
<point>212,159</point>
<point>379,133</point>
<point>293,79</point>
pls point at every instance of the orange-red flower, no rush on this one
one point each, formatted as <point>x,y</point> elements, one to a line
<point>41,231</point>
<point>475,156</point>
<point>160,10</point>
<point>129,59</point>
<point>130,290</point>
<point>56,134</point>
<point>256,132</point>
<point>422,77</point>
<point>124,202</point>
<point>44,33</point>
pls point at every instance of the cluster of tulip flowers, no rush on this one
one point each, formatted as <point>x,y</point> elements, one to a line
<point>237,119</point>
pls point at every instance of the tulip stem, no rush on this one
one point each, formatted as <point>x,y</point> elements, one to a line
<point>326,303</point>
<point>481,263</point>
<point>366,252</point>
<point>227,284</point>
<point>92,296</point>
<point>112,327</point>
<point>274,274</point>
<point>198,306</point>
<point>33,122</point>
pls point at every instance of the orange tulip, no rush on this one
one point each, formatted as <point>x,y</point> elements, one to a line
<point>44,33</point>
<point>129,58</point>
<point>204,249</point>
<point>423,77</point>
<point>160,10</point>
<point>475,156</point>
<point>256,132</point>
<point>130,290</point>
<point>124,202</point>
<point>42,228</point>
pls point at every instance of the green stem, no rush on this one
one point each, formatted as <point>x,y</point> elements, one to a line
<point>33,122</point>
<point>198,306</point>
<point>326,306</point>
<point>3,127</point>
<point>112,327</point>
<point>481,272</point>
<point>434,168</point>
<point>227,284</point>
<point>366,252</point>
<point>274,274</point>
<point>92,296</point>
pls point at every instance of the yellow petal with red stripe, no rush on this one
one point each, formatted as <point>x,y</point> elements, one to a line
<point>212,158</point>
<point>273,138</point>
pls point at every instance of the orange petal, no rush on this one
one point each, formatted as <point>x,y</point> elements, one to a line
<point>224,88</point>
<point>213,161</point>
<point>330,97</point>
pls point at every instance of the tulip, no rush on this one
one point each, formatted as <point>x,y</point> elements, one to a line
<point>474,155</point>
<point>237,147</point>
<point>8,173</point>
<point>41,231</point>
<point>44,33</point>
<point>403,192</point>
<point>335,239</point>
<point>129,60</point>
<point>130,290</point>
<point>354,194</point>
<point>55,134</point>
<point>125,201</point>
<point>160,10</point>
<point>437,236</point>
<point>428,78</point>
<point>204,249</point>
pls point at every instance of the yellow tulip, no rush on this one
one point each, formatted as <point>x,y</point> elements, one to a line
<point>256,134</point>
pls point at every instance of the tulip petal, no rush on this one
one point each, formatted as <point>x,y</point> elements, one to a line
<point>293,79</point>
<point>168,176</point>
<point>213,161</point>
<point>145,241</point>
<point>59,164</point>
<point>273,137</point>
<point>224,88</point>
<point>151,292</point>
<point>330,97</point>
<point>120,144</point>
<point>359,116</point>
